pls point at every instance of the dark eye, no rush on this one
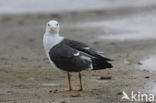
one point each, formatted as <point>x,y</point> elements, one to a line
<point>48,24</point>
<point>56,24</point>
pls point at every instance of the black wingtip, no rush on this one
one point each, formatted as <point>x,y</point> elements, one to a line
<point>110,65</point>
<point>103,63</point>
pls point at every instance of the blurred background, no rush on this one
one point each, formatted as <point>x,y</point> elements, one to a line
<point>123,29</point>
<point>40,6</point>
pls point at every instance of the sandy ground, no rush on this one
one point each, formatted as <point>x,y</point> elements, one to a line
<point>26,75</point>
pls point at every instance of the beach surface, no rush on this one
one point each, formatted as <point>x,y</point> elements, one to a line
<point>126,34</point>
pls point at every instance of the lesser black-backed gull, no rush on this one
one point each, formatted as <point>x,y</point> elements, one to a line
<point>69,55</point>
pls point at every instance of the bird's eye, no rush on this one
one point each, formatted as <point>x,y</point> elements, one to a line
<point>48,24</point>
<point>56,24</point>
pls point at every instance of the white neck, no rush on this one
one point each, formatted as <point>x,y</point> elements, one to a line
<point>52,35</point>
<point>50,40</point>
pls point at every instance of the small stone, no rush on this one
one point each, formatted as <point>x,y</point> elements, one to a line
<point>53,91</point>
<point>147,77</point>
<point>139,63</point>
<point>75,95</point>
<point>119,93</point>
<point>50,91</point>
<point>105,78</point>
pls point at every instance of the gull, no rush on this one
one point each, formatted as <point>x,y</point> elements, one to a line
<point>70,55</point>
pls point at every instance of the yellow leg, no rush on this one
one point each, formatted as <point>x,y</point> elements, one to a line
<point>69,82</point>
<point>80,78</point>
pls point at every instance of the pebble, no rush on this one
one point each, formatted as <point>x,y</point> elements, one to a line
<point>53,91</point>
<point>139,63</point>
<point>119,93</point>
<point>105,78</point>
<point>147,77</point>
<point>75,95</point>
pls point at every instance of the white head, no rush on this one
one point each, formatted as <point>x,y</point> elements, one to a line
<point>52,27</point>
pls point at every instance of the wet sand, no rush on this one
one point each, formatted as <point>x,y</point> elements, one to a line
<point>24,68</point>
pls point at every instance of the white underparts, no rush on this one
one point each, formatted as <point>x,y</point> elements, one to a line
<point>49,41</point>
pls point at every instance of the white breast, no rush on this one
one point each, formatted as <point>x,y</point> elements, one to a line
<point>49,42</point>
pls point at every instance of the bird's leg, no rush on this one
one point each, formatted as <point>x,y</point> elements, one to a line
<point>80,78</point>
<point>69,82</point>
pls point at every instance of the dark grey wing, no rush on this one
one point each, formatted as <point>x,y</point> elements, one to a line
<point>86,49</point>
<point>69,59</point>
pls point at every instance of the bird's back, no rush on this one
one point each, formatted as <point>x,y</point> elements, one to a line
<point>72,56</point>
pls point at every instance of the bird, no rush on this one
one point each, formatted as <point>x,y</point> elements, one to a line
<point>70,55</point>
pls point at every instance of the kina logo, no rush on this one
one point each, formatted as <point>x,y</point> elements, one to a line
<point>138,97</point>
